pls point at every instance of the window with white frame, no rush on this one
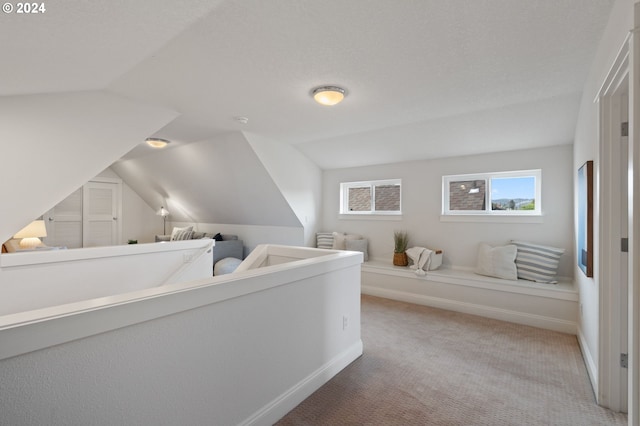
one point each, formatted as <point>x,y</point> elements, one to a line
<point>371,197</point>
<point>516,193</point>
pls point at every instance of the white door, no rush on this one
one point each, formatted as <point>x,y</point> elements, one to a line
<point>100,214</point>
<point>64,222</point>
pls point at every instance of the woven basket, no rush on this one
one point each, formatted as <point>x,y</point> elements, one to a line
<point>400,259</point>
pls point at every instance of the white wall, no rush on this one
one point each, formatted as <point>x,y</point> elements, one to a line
<point>139,221</point>
<point>299,180</point>
<point>586,148</point>
<point>53,144</point>
<point>421,205</point>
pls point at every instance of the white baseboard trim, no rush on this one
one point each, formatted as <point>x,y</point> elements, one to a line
<point>533,320</point>
<point>592,368</point>
<point>276,409</point>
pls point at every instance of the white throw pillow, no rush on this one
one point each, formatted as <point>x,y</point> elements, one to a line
<point>497,262</point>
<point>340,240</point>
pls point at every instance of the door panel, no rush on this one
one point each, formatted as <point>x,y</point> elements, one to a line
<point>64,222</point>
<point>100,214</point>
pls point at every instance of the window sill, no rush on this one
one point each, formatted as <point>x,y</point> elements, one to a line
<point>391,217</point>
<point>492,219</point>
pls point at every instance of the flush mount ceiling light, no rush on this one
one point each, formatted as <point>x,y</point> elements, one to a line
<point>157,142</point>
<point>328,95</point>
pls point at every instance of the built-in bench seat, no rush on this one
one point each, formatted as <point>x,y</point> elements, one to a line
<point>550,306</point>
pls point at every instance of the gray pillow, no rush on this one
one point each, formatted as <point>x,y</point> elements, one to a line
<point>359,245</point>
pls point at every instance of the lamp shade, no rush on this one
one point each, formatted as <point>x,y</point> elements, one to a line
<point>163,212</point>
<point>30,234</point>
<point>35,229</point>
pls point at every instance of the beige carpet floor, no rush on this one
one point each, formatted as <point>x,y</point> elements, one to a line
<point>426,366</point>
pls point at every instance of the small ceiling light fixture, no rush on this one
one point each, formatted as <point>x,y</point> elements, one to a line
<point>328,95</point>
<point>157,142</point>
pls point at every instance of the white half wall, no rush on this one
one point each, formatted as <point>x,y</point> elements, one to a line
<point>421,206</point>
<point>53,144</point>
<point>41,279</point>
<point>239,349</point>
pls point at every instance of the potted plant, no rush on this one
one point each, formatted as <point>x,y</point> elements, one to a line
<point>401,240</point>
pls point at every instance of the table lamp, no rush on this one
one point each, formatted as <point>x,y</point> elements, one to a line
<point>31,234</point>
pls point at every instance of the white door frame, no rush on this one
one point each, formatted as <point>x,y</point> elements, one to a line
<point>611,377</point>
<point>625,70</point>
<point>634,222</point>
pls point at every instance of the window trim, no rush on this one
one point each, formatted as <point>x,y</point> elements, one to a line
<point>535,173</point>
<point>344,197</point>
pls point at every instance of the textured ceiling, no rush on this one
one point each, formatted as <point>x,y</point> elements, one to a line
<point>498,73</point>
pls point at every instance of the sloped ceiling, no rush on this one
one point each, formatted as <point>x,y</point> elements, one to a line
<point>424,79</point>
<point>410,66</point>
<point>79,45</point>
<point>53,144</point>
<point>220,180</point>
<point>406,66</point>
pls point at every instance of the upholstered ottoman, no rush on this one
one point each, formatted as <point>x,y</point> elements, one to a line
<point>226,265</point>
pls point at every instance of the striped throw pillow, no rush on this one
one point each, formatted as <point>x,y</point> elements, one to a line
<point>324,240</point>
<point>182,235</point>
<point>536,262</point>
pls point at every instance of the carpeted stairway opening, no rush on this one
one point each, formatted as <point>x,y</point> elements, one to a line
<point>427,366</point>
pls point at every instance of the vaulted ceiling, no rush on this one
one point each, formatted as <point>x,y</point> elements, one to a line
<point>83,83</point>
<point>425,78</point>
